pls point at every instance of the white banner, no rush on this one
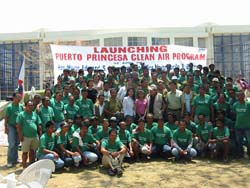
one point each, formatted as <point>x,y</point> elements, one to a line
<point>79,57</point>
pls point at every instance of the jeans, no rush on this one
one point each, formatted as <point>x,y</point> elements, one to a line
<point>91,156</point>
<point>59,163</point>
<point>13,142</point>
<point>190,152</point>
<point>240,133</point>
<point>158,149</point>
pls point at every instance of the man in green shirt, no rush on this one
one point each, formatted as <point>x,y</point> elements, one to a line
<point>11,113</point>
<point>71,109</point>
<point>242,123</point>
<point>183,142</point>
<point>163,139</point>
<point>45,112</point>
<point>28,126</point>
<point>113,151</point>
<point>204,133</point>
<point>219,144</point>
<point>58,108</point>
<point>142,140</point>
<point>85,104</point>
<point>46,148</point>
<point>84,143</point>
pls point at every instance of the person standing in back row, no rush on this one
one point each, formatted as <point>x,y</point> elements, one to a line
<point>11,113</point>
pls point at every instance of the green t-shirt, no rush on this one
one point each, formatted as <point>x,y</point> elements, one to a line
<point>161,135</point>
<point>101,134</point>
<point>131,127</point>
<point>143,137</point>
<point>202,105</point>
<point>85,107</point>
<point>65,99</point>
<point>204,131</point>
<point>149,127</point>
<point>125,137</point>
<point>58,108</point>
<point>225,107</point>
<point>171,126</point>
<point>63,139</point>
<point>220,133</point>
<point>93,130</point>
<point>46,142</point>
<point>191,126</point>
<point>112,147</point>
<point>46,114</point>
<point>182,139</point>
<point>242,115</point>
<point>71,111</point>
<point>86,140</point>
<point>29,124</point>
<point>12,112</point>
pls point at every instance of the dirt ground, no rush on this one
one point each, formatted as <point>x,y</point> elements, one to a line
<point>154,173</point>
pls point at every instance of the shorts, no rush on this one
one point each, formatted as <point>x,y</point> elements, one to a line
<point>30,144</point>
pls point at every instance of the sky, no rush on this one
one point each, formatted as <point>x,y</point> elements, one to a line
<point>60,15</point>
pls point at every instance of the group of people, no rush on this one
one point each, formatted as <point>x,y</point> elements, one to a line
<point>131,113</point>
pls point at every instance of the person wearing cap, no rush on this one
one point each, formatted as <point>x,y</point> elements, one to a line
<point>202,104</point>
<point>45,112</point>
<point>156,104</point>
<point>63,147</point>
<point>85,104</point>
<point>46,148</point>
<point>28,129</point>
<point>163,139</point>
<point>94,126</point>
<point>113,151</point>
<point>114,123</point>
<point>197,76</point>
<point>183,143</point>
<point>85,144</point>
<point>173,100</point>
<point>142,140</point>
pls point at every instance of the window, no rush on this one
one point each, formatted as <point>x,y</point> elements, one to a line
<point>137,41</point>
<point>90,42</point>
<point>202,43</point>
<point>117,41</point>
<point>184,41</point>
<point>160,41</point>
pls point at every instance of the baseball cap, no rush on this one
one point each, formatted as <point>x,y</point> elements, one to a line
<point>113,119</point>
<point>215,79</point>
<point>153,87</point>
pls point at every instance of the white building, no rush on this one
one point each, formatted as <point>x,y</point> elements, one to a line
<point>228,47</point>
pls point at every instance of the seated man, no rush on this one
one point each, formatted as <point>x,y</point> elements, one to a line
<point>47,146</point>
<point>219,144</point>
<point>84,143</point>
<point>113,152</point>
<point>183,142</point>
<point>64,149</point>
<point>142,140</point>
<point>163,139</point>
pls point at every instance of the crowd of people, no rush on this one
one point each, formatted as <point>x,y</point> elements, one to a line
<point>131,113</point>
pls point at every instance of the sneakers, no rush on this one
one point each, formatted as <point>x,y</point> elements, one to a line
<point>76,164</point>
<point>119,171</point>
<point>9,165</point>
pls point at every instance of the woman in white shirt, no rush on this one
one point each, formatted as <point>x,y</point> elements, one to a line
<point>128,104</point>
